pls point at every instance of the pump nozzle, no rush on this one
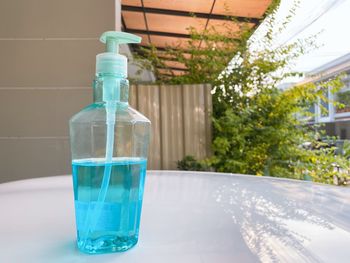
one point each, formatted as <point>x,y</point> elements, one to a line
<point>111,62</point>
<point>113,39</point>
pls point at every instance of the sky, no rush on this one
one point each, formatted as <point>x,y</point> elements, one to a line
<point>329,18</point>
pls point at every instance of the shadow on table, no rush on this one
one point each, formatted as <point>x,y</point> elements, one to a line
<point>279,220</point>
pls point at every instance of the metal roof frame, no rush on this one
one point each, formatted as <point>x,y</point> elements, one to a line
<point>179,13</point>
<point>188,14</point>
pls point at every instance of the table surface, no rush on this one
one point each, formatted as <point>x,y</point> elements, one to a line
<point>187,217</point>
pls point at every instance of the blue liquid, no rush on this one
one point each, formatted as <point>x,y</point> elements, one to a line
<point>117,226</point>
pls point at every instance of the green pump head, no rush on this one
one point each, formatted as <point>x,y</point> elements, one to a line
<point>110,62</point>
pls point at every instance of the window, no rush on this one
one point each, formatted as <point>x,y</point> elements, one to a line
<point>343,97</point>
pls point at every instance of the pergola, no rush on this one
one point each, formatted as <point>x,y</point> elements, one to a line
<point>165,23</point>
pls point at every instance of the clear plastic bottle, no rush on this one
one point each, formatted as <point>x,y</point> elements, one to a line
<point>109,146</point>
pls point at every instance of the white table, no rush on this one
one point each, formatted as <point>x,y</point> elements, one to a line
<point>187,217</point>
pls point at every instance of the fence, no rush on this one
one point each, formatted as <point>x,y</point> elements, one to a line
<point>181,121</point>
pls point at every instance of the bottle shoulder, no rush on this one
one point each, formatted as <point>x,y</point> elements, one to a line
<point>137,115</point>
<point>96,112</point>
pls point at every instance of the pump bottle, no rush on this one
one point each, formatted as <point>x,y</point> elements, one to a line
<point>109,146</point>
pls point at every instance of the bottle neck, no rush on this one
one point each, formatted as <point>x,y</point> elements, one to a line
<point>111,88</point>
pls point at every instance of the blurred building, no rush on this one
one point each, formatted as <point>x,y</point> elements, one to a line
<point>336,119</point>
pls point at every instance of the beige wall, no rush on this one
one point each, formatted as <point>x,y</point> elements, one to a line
<point>47,60</point>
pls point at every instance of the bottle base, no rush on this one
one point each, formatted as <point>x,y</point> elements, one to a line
<point>107,244</point>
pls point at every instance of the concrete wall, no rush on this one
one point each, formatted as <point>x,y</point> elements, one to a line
<point>47,60</point>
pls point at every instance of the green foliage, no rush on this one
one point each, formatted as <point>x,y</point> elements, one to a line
<point>189,163</point>
<point>343,101</point>
<point>344,98</point>
<point>261,135</point>
<point>257,128</point>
